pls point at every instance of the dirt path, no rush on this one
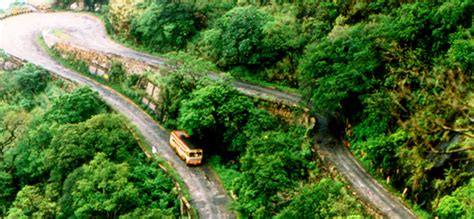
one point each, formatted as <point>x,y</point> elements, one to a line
<point>18,35</point>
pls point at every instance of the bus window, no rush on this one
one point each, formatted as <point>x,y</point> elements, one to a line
<point>195,154</point>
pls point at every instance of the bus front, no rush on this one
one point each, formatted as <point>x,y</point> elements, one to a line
<point>194,157</point>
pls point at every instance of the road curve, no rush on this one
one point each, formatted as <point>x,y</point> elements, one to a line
<point>366,187</point>
<point>18,37</point>
<point>96,38</point>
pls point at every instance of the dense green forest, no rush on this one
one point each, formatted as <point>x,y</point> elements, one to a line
<point>65,154</point>
<point>396,74</point>
<point>266,162</point>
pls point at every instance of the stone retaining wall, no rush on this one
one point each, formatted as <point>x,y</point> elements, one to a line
<point>293,114</point>
<point>98,63</point>
<point>10,63</point>
<point>17,10</point>
<point>151,100</point>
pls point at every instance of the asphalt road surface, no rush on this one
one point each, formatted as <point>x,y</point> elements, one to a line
<point>18,37</point>
<point>366,187</point>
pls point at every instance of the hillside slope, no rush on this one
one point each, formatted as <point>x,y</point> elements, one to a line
<point>397,75</point>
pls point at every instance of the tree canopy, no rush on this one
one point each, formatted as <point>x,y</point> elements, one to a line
<point>66,155</point>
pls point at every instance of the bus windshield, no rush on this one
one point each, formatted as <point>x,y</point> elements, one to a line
<point>195,154</point>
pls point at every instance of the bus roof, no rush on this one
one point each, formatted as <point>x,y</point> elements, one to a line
<point>183,136</point>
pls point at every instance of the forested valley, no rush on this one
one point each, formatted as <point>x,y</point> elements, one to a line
<point>65,154</point>
<point>396,75</point>
<point>394,79</point>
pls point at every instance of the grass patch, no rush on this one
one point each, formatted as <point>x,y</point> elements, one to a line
<point>252,80</point>
<point>179,57</point>
<point>226,174</point>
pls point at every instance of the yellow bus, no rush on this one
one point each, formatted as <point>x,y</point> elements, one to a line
<point>181,144</point>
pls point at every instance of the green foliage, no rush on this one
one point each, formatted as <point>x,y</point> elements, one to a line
<point>213,10</point>
<point>237,38</point>
<point>103,189</point>
<point>272,163</point>
<point>12,124</point>
<point>27,156</point>
<point>427,26</point>
<point>379,150</point>
<point>148,213</point>
<point>399,74</point>
<point>133,80</point>
<point>175,87</point>
<point>337,71</point>
<point>90,4</point>
<point>327,198</point>
<point>461,52</point>
<point>155,188</point>
<point>73,144</point>
<point>30,202</point>
<point>47,164</point>
<point>164,25</point>
<point>460,204</point>
<point>283,41</point>
<point>317,19</point>
<point>450,207</point>
<point>117,73</point>
<point>376,119</point>
<point>3,54</point>
<point>65,109</point>
<point>8,191</point>
<point>216,110</point>
<point>227,174</point>
<point>31,79</point>
<point>272,159</point>
<point>258,120</point>
<point>420,101</point>
<point>21,85</point>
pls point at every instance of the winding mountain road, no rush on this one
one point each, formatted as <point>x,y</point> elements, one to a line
<point>367,188</point>
<point>18,37</point>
